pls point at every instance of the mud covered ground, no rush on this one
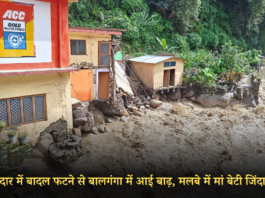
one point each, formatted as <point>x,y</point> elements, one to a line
<point>177,140</point>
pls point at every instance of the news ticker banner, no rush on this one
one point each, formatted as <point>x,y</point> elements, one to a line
<point>25,31</point>
<point>238,180</point>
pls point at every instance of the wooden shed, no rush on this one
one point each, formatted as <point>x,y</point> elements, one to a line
<point>159,72</point>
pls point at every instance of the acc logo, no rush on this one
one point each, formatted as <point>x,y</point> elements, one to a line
<point>15,40</point>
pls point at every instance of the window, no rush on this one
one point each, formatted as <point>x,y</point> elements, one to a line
<point>169,64</point>
<point>23,110</point>
<point>104,54</point>
<point>78,47</point>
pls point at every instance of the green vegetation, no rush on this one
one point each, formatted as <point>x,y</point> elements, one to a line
<point>212,36</point>
<point>11,133</point>
<point>2,125</point>
<point>22,135</point>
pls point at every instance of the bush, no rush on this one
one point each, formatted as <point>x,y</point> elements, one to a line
<point>11,133</point>
<point>194,40</point>
<point>210,39</point>
<point>180,43</point>
<point>22,135</point>
<point>131,6</point>
<point>2,125</point>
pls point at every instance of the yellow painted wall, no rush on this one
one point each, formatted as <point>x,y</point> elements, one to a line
<point>91,46</point>
<point>58,98</point>
<point>159,72</point>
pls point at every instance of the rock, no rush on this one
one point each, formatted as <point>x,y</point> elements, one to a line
<point>234,102</point>
<point>87,127</point>
<point>178,103</point>
<point>101,129</point>
<point>165,107</point>
<point>193,99</point>
<point>107,129</point>
<point>134,109</point>
<point>240,93</point>
<point>80,112</point>
<point>139,103</point>
<point>187,103</point>
<point>164,96</point>
<point>113,107</point>
<point>147,102</point>
<point>157,96</point>
<point>124,119</point>
<point>190,92</point>
<point>175,95</point>
<point>77,132</point>
<point>94,130</point>
<point>80,121</point>
<point>129,106</point>
<point>36,154</point>
<point>110,120</point>
<point>142,108</point>
<point>76,103</point>
<point>43,145</point>
<point>98,117</point>
<point>249,102</point>
<point>138,113</point>
<point>156,103</point>
<point>102,16</point>
<point>66,151</point>
<point>147,106</point>
<point>47,136</point>
<point>209,101</point>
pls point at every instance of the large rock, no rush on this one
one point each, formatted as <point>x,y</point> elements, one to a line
<point>190,92</point>
<point>249,102</point>
<point>175,95</point>
<point>66,151</point>
<point>124,119</point>
<point>107,129</point>
<point>80,112</point>
<point>113,107</point>
<point>156,103</point>
<point>77,132</point>
<point>36,154</point>
<point>43,145</point>
<point>138,113</point>
<point>80,121</point>
<point>165,107</point>
<point>101,129</point>
<point>99,117</point>
<point>209,101</point>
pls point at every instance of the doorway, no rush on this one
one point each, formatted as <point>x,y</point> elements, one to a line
<point>169,78</point>
<point>103,84</point>
<point>172,77</point>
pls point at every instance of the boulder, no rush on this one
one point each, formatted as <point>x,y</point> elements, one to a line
<point>234,102</point>
<point>240,93</point>
<point>76,103</point>
<point>156,103</point>
<point>165,107</point>
<point>98,117</point>
<point>249,102</point>
<point>43,145</point>
<point>142,108</point>
<point>46,136</point>
<point>77,132</point>
<point>187,103</point>
<point>36,154</point>
<point>134,109</point>
<point>107,129</point>
<point>157,96</point>
<point>209,101</point>
<point>124,119</point>
<point>80,121</point>
<point>138,113</point>
<point>175,95</point>
<point>101,129</point>
<point>147,106</point>
<point>87,127</point>
<point>190,92</point>
<point>147,102</point>
<point>94,130</point>
<point>80,112</point>
<point>110,120</point>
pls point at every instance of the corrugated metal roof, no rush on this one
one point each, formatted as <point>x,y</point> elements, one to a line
<point>150,59</point>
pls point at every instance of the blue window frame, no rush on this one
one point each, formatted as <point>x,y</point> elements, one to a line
<point>169,64</point>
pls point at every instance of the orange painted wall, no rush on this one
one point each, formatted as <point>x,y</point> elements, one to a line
<point>82,85</point>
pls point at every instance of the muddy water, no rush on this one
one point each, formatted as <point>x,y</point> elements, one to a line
<point>185,141</point>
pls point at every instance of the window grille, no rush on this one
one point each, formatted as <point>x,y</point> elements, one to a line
<point>104,53</point>
<point>78,47</point>
<point>169,64</point>
<point>23,110</point>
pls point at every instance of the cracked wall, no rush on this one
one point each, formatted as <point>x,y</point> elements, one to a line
<point>58,98</point>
